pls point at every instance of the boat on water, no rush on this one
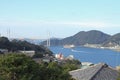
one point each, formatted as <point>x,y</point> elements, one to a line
<point>69,46</point>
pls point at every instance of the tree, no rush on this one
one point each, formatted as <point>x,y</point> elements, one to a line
<point>18,67</point>
<point>4,43</point>
<point>70,65</point>
<point>119,76</point>
<point>38,55</point>
<point>54,71</point>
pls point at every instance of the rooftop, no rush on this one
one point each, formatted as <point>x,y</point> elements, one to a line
<point>99,71</point>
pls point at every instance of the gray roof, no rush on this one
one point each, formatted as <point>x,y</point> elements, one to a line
<point>99,71</point>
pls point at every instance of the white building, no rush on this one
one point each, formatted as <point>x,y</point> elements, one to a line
<point>28,53</point>
<point>3,51</point>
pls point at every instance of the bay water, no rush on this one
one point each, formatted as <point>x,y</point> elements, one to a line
<point>94,55</point>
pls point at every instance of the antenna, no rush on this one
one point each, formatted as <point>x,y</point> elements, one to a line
<point>48,40</point>
<point>0,34</point>
<point>8,33</point>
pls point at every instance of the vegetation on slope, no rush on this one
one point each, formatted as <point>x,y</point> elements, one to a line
<point>81,38</point>
<point>21,67</point>
<point>16,45</point>
<point>113,41</point>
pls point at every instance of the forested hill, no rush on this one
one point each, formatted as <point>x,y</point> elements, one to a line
<point>16,45</point>
<point>90,37</point>
<point>83,37</point>
<point>113,41</point>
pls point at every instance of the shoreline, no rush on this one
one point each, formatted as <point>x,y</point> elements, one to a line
<point>114,48</point>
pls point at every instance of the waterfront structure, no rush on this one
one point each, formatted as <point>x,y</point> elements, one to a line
<point>69,46</point>
<point>28,53</point>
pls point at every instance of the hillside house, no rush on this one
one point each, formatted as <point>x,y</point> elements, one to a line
<point>28,53</point>
<point>2,51</point>
<point>99,71</point>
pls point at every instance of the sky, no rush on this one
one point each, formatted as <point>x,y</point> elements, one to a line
<point>58,18</point>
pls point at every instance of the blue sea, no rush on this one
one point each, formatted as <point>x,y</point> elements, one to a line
<point>84,54</point>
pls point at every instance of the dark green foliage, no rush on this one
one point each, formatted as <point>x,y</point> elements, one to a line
<point>16,45</point>
<point>53,71</point>
<point>21,45</point>
<point>71,65</point>
<point>4,43</point>
<point>18,67</point>
<point>38,55</point>
<point>119,76</point>
<point>21,67</point>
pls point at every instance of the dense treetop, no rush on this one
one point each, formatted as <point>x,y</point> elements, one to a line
<point>16,45</point>
<point>21,67</point>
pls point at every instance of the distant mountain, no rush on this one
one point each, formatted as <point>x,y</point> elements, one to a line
<point>90,37</point>
<point>53,42</point>
<point>113,41</point>
<point>81,38</point>
<point>33,41</point>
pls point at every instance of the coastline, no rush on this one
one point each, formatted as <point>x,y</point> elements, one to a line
<point>114,48</point>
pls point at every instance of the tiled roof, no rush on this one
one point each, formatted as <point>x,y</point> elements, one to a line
<point>97,72</point>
